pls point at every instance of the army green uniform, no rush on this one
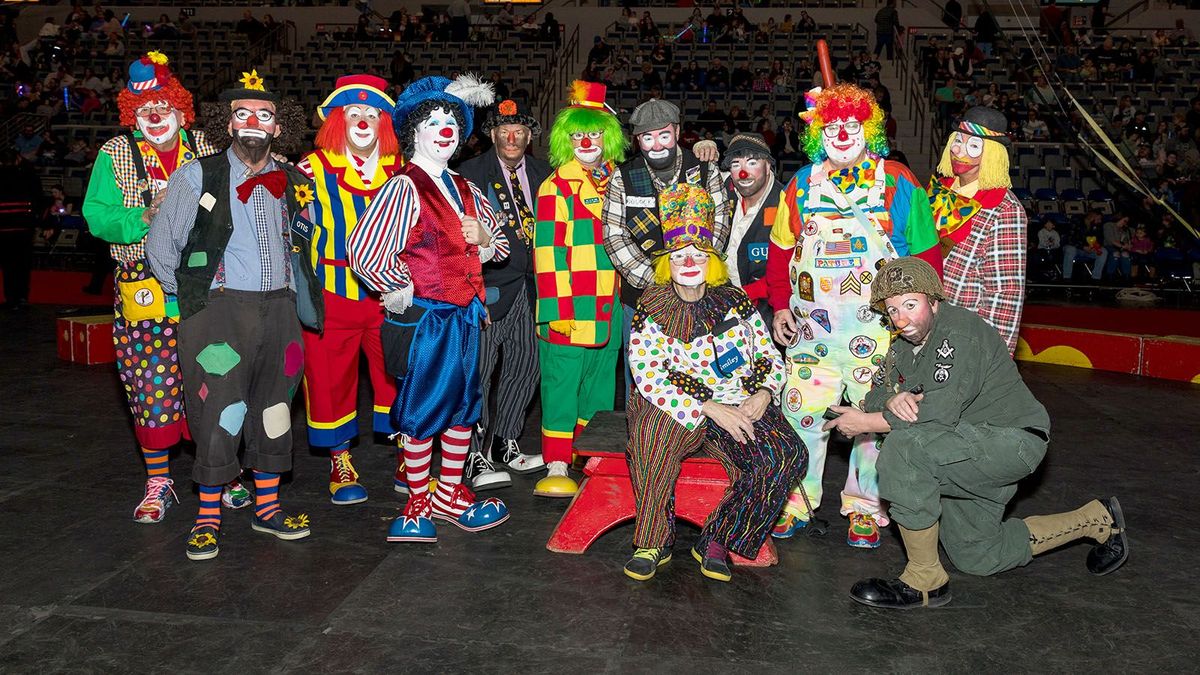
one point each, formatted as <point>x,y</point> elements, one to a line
<point>979,431</point>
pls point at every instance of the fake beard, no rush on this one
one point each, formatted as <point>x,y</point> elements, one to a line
<point>661,159</point>
<point>159,133</point>
<point>254,144</point>
<point>690,276</point>
<point>844,150</point>
<point>590,155</point>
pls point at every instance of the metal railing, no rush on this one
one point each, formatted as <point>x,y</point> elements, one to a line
<point>10,127</point>
<point>281,39</point>
<point>550,94</point>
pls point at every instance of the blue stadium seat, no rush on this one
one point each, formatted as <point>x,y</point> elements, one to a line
<point>1046,200</point>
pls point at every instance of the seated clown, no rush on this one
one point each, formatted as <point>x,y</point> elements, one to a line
<point>706,378</point>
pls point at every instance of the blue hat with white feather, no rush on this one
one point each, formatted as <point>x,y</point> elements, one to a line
<point>467,92</point>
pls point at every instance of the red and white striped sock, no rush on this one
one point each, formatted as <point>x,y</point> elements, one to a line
<point>418,455</point>
<point>456,442</point>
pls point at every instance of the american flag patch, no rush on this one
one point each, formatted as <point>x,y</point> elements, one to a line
<point>837,248</point>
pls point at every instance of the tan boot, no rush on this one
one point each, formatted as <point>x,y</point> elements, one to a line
<point>924,571</point>
<point>1091,521</point>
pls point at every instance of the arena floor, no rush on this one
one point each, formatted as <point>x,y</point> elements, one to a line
<point>85,589</point>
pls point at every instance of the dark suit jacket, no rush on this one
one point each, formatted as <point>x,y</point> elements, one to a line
<point>752,251</point>
<point>514,274</point>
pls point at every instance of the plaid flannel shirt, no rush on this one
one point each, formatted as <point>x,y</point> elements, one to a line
<point>630,260</point>
<point>985,273</point>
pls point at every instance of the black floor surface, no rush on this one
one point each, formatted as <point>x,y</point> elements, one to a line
<point>85,589</point>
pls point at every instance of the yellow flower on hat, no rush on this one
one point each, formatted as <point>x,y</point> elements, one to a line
<point>304,195</point>
<point>252,81</point>
<point>157,58</point>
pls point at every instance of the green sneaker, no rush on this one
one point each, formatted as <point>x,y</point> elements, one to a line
<point>202,544</point>
<point>645,562</point>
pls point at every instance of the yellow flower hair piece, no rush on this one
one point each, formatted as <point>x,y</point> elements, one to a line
<point>157,58</point>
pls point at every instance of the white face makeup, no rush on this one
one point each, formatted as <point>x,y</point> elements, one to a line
<point>749,175</point>
<point>253,123</point>
<point>362,126</point>
<point>657,144</point>
<point>437,137</point>
<point>158,122</point>
<point>689,266</point>
<point>966,152</point>
<point>844,140</point>
<point>588,147</point>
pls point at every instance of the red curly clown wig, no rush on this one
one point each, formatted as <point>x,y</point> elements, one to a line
<point>172,92</point>
<point>843,101</point>
<point>332,135</point>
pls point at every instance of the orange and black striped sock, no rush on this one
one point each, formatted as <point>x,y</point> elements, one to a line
<point>266,494</point>
<point>210,507</point>
<point>158,462</point>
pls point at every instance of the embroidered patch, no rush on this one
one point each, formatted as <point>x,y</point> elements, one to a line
<point>821,350</point>
<point>858,244</point>
<point>807,421</point>
<point>864,314</point>
<point>806,359</point>
<point>804,286</point>
<point>837,263</point>
<point>826,284</point>
<point>197,259</point>
<point>805,372</point>
<point>793,399</point>
<point>862,374</point>
<point>806,331</point>
<point>207,201</point>
<point>862,346</point>
<point>941,371</point>
<point>821,316</point>
<point>945,351</point>
<point>810,228</point>
<point>851,285</point>
<point>277,420</point>
<point>692,175</point>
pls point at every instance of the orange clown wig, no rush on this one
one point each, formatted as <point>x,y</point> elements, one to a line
<point>151,81</point>
<point>332,135</point>
<point>840,102</point>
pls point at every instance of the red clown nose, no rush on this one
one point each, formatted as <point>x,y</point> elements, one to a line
<point>585,143</point>
<point>743,175</point>
<point>154,118</point>
<point>446,132</point>
<point>362,124</point>
<point>842,135</point>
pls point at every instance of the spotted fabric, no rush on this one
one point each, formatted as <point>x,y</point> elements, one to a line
<point>149,369</point>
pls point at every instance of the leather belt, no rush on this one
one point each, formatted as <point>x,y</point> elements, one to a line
<point>1037,432</point>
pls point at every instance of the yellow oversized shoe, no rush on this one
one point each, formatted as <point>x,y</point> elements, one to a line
<point>556,483</point>
<point>556,486</point>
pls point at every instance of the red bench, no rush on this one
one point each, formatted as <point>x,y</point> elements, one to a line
<point>605,497</point>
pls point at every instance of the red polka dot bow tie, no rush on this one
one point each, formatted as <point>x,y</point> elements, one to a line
<point>274,181</point>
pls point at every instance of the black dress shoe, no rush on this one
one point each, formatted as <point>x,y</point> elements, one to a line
<point>1110,555</point>
<point>895,594</point>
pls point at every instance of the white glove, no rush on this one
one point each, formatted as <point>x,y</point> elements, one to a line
<point>398,301</point>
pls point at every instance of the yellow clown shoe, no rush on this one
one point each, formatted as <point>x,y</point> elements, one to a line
<point>556,483</point>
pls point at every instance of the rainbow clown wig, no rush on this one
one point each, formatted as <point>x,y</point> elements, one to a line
<point>842,101</point>
<point>150,81</point>
<point>586,112</point>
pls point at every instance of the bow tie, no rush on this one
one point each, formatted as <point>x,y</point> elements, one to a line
<point>274,181</point>
<point>858,176</point>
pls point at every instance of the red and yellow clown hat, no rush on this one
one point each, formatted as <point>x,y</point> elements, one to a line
<point>361,90</point>
<point>588,95</point>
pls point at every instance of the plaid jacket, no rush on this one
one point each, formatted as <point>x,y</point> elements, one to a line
<point>985,272</point>
<point>120,189</point>
<point>575,278</point>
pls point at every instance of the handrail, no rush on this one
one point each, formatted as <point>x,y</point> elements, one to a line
<point>11,126</point>
<point>253,55</point>
<point>1144,4</point>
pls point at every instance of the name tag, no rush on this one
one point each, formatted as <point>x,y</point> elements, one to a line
<point>641,202</point>
<point>837,263</point>
<point>302,227</point>
<point>207,201</point>
<point>592,200</point>
<point>757,252</point>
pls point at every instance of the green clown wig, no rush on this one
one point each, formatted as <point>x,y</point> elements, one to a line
<point>842,101</point>
<point>573,119</point>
